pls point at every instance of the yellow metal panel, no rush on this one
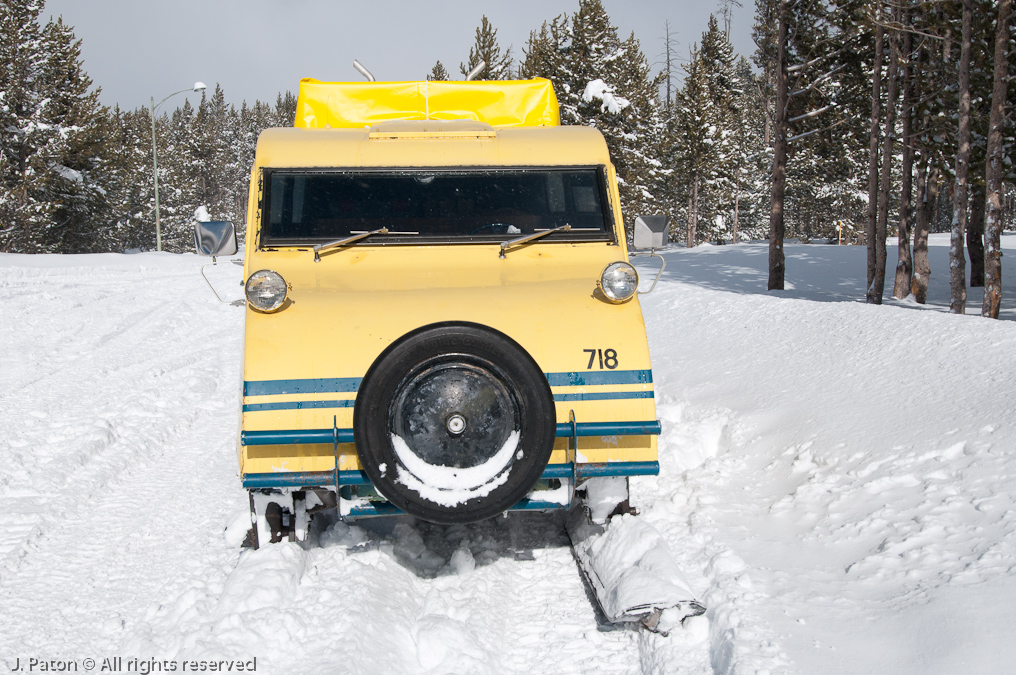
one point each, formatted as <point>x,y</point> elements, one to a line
<point>337,105</point>
<point>344,311</point>
<point>353,148</point>
<point>305,457</point>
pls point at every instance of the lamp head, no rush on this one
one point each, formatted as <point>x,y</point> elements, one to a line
<point>199,86</point>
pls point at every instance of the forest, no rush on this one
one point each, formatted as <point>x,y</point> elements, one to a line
<point>851,122</point>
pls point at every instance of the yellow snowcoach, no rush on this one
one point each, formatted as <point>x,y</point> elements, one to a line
<point>441,317</point>
<point>442,321</point>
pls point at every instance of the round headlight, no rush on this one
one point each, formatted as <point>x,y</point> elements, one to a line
<point>618,282</point>
<point>266,290</point>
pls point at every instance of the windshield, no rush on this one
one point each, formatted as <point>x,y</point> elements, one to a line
<point>444,205</point>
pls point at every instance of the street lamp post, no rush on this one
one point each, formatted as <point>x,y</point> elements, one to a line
<point>198,86</point>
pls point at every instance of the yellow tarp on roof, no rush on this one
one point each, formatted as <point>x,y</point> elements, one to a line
<point>511,103</point>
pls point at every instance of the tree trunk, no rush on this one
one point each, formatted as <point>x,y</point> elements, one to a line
<point>957,263</point>
<point>876,289</point>
<point>870,233</point>
<point>904,264</point>
<point>975,236</point>
<point>777,261</point>
<point>993,173</point>
<point>927,195</point>
<point>693,214</point>
<point>766,102</point>
<point>737,201</point>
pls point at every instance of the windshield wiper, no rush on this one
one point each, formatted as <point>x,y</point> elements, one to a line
<point>505,245</point>
<point>339,243</point>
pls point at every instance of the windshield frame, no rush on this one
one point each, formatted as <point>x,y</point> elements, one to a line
<point>265,241</point>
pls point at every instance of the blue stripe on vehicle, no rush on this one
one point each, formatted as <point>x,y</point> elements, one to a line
<point>298,479</point>
<point>297,405</point>
<point>323,385</point>
<point>329,385</point>
<point>281,479</point>
<point>296,437</point>
<point>587,470</point>
<point>564,430</point>
<point>603,396</point>
<point>598,469</point>
<point>651,428</point>
<point>597,377</point>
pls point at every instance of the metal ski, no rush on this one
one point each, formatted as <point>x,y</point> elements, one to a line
<point>630,568</point>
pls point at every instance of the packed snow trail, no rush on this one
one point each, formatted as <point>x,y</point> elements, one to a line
<point>114,389</point>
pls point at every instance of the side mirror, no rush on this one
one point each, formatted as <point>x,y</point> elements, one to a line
<point>215,238</point>
<point>650,232</point>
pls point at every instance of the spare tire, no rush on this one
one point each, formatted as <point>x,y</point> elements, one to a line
<point>454,423</point>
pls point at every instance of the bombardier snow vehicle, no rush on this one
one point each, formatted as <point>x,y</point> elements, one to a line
<point>441,318</point>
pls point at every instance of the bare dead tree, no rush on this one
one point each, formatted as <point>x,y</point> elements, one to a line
<point>777,259</point>
<point>669,46</point>
<point>727,11</point>
<point>870,232</point>
<point>957,263</point>
<point>993,172</point>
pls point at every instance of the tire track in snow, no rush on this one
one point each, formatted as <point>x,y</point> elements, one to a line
<point>93,446</point>
<point>390,596</point>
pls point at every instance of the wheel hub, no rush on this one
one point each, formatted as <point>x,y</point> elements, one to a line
<point>454,411</point>
<point>456,424</point>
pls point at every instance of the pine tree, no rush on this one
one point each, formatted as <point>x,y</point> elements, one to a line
<point>603,82</point>
<point>717,56</point>
<point>545,52</point>
<point>74,106</point>
<point>285,110</point>
<point>23,216</point>
<point>49,145</point>
<point>129,221</point>
<point>751,157</point>
<point>708,125</point>
<point>695,142</point>
<point>438,73</point>
<point>486,48</point>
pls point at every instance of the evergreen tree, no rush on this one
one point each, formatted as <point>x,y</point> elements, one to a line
<point>545,51</point>
<point>486,48</point>
<point>438,73</point>
<point>49,145</point>
<point>129,221</point>
<point>707,154</point>
<point>285,110</point>
<point>603,82</point>
<point>695,144</point>
<point>751,157</point>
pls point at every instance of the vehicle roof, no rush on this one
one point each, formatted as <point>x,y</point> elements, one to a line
<point>502,103</point>
<point>431,144</point>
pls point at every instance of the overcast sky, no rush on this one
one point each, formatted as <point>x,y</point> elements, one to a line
<point>135,49</point>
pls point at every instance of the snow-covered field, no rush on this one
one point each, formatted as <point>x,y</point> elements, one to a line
<point>837,483</point>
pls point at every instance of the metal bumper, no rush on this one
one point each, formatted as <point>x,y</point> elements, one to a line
<point>575,471</point>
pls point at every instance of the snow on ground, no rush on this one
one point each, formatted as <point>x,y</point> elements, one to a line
<point>836,483</point>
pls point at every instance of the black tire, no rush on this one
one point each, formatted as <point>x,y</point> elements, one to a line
<point>451,396</point>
